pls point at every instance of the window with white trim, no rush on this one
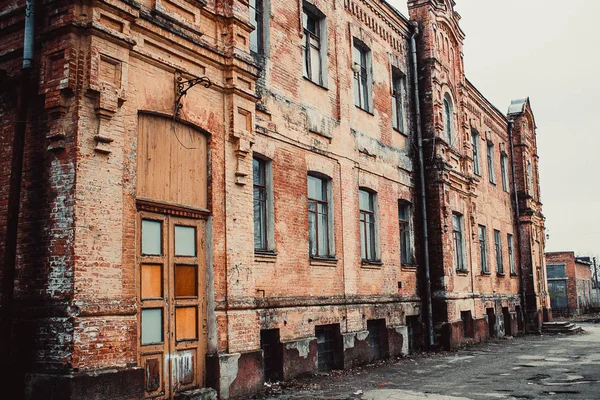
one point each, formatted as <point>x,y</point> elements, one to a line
<point>314,45</point>
<point>363,80</point>
<point>368,225</point>
<point>320,217</point>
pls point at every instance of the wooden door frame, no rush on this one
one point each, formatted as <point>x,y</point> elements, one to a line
<point>169,345</point>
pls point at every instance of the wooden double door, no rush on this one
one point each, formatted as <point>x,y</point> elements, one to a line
<point>172,306</point>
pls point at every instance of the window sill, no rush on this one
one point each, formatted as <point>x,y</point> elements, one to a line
<point>315,83</point>
<point>462,271</point>
<point>372,264</point>
<point>367,111</point>
<point>513,275</point>
<point>486,273</point>
<point>400,132</point>
<point>500,274</point>
<point>265,256</point>
<point>323,261</point>
<point>409,267</point>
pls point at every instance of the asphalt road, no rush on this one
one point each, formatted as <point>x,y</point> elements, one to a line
<point>527,367</point>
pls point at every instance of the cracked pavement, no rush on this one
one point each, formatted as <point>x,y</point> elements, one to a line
<point>527,367</point>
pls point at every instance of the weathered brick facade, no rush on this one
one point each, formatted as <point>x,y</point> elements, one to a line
<point>571,283</point>
<point>108,150</point>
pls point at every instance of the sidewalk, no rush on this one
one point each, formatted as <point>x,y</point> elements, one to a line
<point>528,367</point>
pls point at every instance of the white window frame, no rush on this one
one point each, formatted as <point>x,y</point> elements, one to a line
<point>361,50</point>
<point>327,181</point>
<point>374,258</point>
<point>490,162</point>
<point>448,116</point>
<point>269,206</point>
<point>504,171</point>
<point>476,157</point>
<point>309,10</point>
<point>459,262</point>
<point>398,100</point>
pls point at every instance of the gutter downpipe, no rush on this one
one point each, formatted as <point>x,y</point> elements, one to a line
<point>413,46</point>
<point>14,191</point>
<point>518,218</point>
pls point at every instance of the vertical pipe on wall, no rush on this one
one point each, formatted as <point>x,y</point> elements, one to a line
<point>413,49</point>
<point>14,191</point>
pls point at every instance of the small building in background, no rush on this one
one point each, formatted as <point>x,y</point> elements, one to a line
<point>569,283</point>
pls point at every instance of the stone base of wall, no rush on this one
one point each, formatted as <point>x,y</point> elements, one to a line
<point>452,335</point>
<point>235,375</point>
<point>299,358</point>
<point>356,349</point>
<point>398,341</point>
<point>122,384</point>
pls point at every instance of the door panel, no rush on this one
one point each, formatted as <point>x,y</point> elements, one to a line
<point>172,318</point>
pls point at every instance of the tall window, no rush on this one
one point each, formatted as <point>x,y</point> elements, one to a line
<point>361,67</point>
<point>256,19</point>
<point>498,245</point>
<point>490,162</point>
<point>312,44</point>
<point>261,205</point>
<point>511,255</point>
<point>448,115</point>
<point>368,248</point>
<point>504,171</point>
<point>483,250</point>
<point>459,249</point>
<point>318,217</point>
<point>475,144</point>
<point>398,93</point>
<point>530,177</point>
<point>404,225</point>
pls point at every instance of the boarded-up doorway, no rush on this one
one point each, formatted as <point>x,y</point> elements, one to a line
<point>171,255</point>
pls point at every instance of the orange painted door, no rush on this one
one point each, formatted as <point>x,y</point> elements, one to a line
<point>172,322</point>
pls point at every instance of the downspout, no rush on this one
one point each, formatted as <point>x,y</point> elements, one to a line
<point>14,191</point>
<point>518,219</point>
<point>413,49</point>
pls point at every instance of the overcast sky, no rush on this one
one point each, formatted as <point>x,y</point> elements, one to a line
<point>547,50</point>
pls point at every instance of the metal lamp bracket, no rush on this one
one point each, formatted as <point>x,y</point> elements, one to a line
<point>182,87</point>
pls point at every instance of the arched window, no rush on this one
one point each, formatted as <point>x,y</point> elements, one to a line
<point>448,118</point>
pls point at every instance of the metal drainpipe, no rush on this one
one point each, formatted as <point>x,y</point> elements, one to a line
<point>431,337</point>
<point>518,218</point>
<point>14,191</point>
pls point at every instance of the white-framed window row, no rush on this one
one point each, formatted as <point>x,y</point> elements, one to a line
<point>314,45</point>
<point>263,208</point>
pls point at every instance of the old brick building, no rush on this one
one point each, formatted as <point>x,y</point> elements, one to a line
<point>570,282</point>
<point>487,256</point>
<point>216,193</point>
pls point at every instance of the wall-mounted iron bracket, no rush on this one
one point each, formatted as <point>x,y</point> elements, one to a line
<point>182,87</point>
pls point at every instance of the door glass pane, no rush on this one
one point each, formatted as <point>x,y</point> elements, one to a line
<point>185,241</point>
<point>186,281</point>
<point>152,325</point>
<point>152,281</point>
<point>185,323</point>
<point>151,237</point>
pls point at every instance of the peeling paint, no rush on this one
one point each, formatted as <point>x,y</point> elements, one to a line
<point>229,372</point>
<point>302,345</point>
